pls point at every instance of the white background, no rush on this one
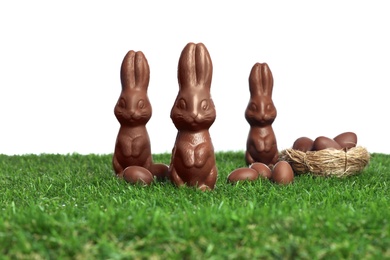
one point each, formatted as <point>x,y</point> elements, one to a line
<point>60,63</point>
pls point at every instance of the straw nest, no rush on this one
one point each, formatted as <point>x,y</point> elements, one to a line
<point>327,162</point>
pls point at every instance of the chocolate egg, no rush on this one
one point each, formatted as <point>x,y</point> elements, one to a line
<point>303,144</point>
<point>282,173</point>
<point>323,142</point>
<point>243,174</point>
<point>262,169</point>
<point>346,140</point>
<point>159,170</point>
<point>137,175</point>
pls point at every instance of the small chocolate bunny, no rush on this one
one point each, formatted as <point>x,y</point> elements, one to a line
<point>133,110</point>
<point>193,113</point>
<point>260,113</point>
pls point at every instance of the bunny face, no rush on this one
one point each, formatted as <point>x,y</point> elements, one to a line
<point>261,110</point>
<point>193,108</point>
<point>193,111</point>
<point>133,106</point>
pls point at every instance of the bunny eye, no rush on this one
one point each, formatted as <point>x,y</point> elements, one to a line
<point>182,104</point>
<point>122,103</point>
<point>204,104</point>
<point>252,106</point>
<point>141,103</point>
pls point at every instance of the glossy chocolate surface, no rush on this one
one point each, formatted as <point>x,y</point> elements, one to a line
<point>133,110</point>
<point>193,113</point>
<point>260,113</point>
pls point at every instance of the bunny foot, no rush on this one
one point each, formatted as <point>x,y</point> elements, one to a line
<point>204,187</point>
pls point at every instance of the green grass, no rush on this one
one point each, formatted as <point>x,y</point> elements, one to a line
<point>71,207</point>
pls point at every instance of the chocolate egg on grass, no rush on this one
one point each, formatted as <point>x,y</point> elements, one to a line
<point>243,174</point>
<point>282,173</point>
<point>138,175</point>
<point>346,140</point>
<point>262,169</point>
<point>159,171</point>
<point>303,144</point>
<point>322,142</point>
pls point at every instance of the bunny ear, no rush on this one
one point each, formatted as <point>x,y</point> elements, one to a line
<point>195,67</point>
<point>260,80</point>
<point>135,71</point>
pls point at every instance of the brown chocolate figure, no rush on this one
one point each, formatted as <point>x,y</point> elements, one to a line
<point>133,110</point>
<point>193,113</point>
<point>260,113</point>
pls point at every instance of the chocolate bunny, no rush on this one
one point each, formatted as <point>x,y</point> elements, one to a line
<point>133,110</point>
<point>260,113</point>
<point>193,113</point>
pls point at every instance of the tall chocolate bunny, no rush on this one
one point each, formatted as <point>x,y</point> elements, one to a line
<point>260,113</point>
<point>133,110</point>
<point>193,113</point>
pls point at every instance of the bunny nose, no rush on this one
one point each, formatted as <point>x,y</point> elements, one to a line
<point>194,114</point>
<point>131,112</point>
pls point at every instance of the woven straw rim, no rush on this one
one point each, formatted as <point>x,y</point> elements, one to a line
<point>327,162</point>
